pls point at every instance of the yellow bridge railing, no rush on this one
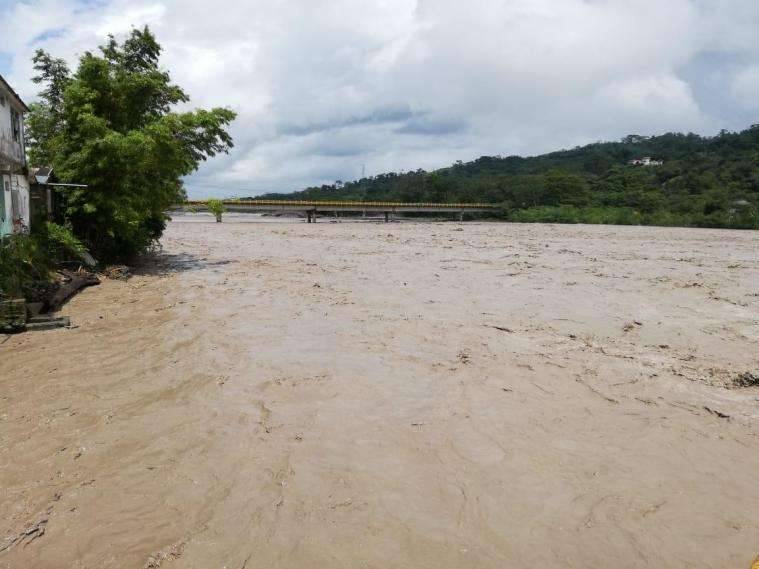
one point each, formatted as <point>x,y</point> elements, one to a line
<point>323,203</point>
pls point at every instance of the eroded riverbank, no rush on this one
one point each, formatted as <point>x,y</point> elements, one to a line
<point>403,395</point>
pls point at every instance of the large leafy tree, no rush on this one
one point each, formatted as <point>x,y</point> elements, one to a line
<point>113,125</point>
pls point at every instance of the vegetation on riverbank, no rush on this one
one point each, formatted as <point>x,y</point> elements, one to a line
<point>111,126</point>
<point>703,182</point>
<point>27,261</point>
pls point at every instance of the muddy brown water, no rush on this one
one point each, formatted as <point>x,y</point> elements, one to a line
<point>430,395</point>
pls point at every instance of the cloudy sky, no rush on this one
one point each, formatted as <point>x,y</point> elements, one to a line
<point>325,88</point>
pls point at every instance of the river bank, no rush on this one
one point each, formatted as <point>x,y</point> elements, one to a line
<point>393,395</point>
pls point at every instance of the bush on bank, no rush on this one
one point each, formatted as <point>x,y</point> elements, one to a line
<point>745,218</point>
<point>26,260</point>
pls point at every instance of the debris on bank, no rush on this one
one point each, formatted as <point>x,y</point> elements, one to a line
<point>12,315</point>
<point>120,272</point>
<point>747,379</point>
<point>47,322</point>
<point>43,298</point>
<point>70,283</point>
<point>15,317</point>
<point>37,310</point>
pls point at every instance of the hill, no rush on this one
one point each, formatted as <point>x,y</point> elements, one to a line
<point>703,181</point>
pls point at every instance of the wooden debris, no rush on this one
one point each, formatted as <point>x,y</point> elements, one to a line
<point>717,413</point>
<point>28,535</point>
<point>76,281</point>
<point>501,328</point>
<point>117,272</point>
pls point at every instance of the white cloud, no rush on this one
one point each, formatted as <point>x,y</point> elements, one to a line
<point>745,87</point>
<point>670,99</point>
<point>323,87</point>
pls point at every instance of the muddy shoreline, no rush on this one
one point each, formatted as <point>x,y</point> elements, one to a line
<point>403,395</point>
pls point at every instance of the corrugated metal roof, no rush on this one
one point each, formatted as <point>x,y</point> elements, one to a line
<point>13,94</point>
<point>41,175</point>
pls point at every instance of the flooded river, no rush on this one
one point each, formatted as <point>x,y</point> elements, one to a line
<point>417,395</point>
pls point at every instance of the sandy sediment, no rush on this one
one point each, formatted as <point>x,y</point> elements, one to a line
<point>393,395</point>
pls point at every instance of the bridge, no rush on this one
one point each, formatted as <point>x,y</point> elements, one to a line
<point>312,208</point>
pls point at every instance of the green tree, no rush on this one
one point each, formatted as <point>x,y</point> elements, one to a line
<point>112,125</point>
<point>565,188</point>
<point>45,121</point>
<point>438,188</point>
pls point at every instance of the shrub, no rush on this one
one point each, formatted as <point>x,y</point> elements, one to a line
<point>23,260</point>
<point>572,214</point>
<point>61,241</point>
<point>216,207</point>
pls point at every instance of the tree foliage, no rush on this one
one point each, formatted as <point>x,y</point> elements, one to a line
<point>704,181</point>
<point>113,125</point>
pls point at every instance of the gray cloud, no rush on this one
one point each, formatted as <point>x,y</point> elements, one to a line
<point>378,116</point>
<point>325,87</point>
<point>426,125</point>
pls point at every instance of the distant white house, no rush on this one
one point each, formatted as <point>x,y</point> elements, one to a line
<point>645,161</point>
<point>14,186</point>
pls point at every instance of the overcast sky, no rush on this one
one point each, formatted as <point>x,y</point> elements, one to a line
<point>324,88</point>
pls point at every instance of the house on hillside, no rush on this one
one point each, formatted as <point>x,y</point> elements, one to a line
<point>14,186</point>
<point>645,161</point>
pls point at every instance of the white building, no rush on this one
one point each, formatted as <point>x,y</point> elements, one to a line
<point>645,161</point>
<point>14,186</point>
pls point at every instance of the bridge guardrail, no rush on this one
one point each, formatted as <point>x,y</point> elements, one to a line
<point>336,203</point>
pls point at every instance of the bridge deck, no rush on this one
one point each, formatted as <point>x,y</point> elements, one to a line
<point>355,206</point>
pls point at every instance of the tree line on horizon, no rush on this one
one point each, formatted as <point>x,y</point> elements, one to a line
<point>703,182</point>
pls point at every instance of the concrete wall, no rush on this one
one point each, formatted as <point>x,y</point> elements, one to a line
<point>13,182</point>
<point>11,151</point>
<point>8,222</point>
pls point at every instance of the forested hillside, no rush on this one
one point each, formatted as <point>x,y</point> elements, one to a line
<point>704,181</point>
